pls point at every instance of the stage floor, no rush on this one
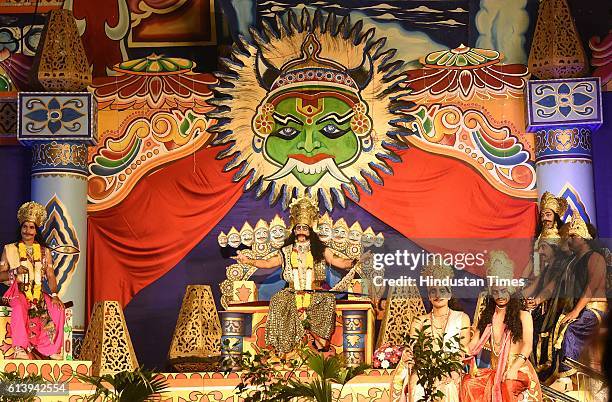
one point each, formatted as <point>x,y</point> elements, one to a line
<point>183,387</point>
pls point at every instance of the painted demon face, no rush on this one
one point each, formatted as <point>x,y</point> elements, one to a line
<point>312,136</point>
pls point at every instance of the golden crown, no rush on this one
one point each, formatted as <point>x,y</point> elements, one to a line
<point>578,227</point>
<point>311,67</point>
<point>500,265</point>
<point>246,227</point>
<point>32,212</point>
<point>261,224</point>
<point>438,271</point>
<point>356,227</point>
<point>556,204</point>
<point>305,211</point>
<point>326,220</point>
<point>277,221</point>
<point>341,223</point>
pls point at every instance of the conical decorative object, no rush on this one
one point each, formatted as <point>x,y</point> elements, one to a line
<point>107,342</point>
<point>556,49</point>
<point>196,343</point>
<point>61,62</point>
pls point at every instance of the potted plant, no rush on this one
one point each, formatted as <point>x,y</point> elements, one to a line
<point>139,385</point>
<point>263,381</point>
<point>14,388</point>
<point>433,359</point>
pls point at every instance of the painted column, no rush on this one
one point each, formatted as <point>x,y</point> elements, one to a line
<point>59,126</point>
<point>354,327</point>
<point>564,114</point>
<point>232,336</point>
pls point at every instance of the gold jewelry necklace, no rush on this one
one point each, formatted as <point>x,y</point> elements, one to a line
<point>433,323</point>
<point>495,343</point>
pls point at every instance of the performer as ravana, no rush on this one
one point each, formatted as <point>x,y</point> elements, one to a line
<point>300,310</point>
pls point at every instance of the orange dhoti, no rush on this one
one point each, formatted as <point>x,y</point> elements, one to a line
<point>480,386</point>
<point>487,385</point>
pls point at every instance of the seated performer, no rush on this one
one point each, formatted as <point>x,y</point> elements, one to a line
<point>587,304</point>
<point>443,322</point>
<point>508,330</point>
<point>37,319</point>
<point>544,297</point>
<point>296,310</point>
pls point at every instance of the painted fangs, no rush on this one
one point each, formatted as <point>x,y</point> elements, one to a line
<point>322,166</point>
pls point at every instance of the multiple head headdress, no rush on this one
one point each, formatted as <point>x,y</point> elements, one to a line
<point>32,212</point>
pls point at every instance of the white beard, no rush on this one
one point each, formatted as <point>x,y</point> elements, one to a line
<point>326,165</point>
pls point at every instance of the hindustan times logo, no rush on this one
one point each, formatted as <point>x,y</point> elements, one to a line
<point>412,260</point>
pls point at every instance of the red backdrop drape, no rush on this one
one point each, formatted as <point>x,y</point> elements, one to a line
<point>428,198</point>
<point>443,204</point>
<point>167,213</point>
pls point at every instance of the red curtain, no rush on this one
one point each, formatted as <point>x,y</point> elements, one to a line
<point>429,199</point>
<point>165,216</point>
<point>442,204</point>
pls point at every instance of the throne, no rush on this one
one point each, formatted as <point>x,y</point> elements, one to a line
<point>245,298</point>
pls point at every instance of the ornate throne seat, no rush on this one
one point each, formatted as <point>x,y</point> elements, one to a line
<point>245,324</point>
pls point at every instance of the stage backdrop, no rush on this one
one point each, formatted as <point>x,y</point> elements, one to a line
<point>437,156</point>
<point>426,170</point>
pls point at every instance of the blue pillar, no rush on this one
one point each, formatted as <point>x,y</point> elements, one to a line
<point>232,337</point>
<point>564,114</point>
<point>354,328</point>
<point>59,127</point>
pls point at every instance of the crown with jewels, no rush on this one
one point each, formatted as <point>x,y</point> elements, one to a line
<point>438,271</point>
<point>556,204</point>
<point>305,211</point>
<point>32,212</point>
<point>310,67</point>
<point>578,227</point>
<point>500,265</point>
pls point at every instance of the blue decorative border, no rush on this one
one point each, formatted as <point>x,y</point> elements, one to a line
<point>534,123</point>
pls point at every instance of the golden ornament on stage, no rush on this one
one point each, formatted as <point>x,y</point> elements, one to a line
<point>196,343</point>
<point>32,212</point>
<point>556,48</point>
<point>61,62</point>
<point>107,343</point>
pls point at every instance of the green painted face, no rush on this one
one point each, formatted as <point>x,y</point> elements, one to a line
<point>311,138</point>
